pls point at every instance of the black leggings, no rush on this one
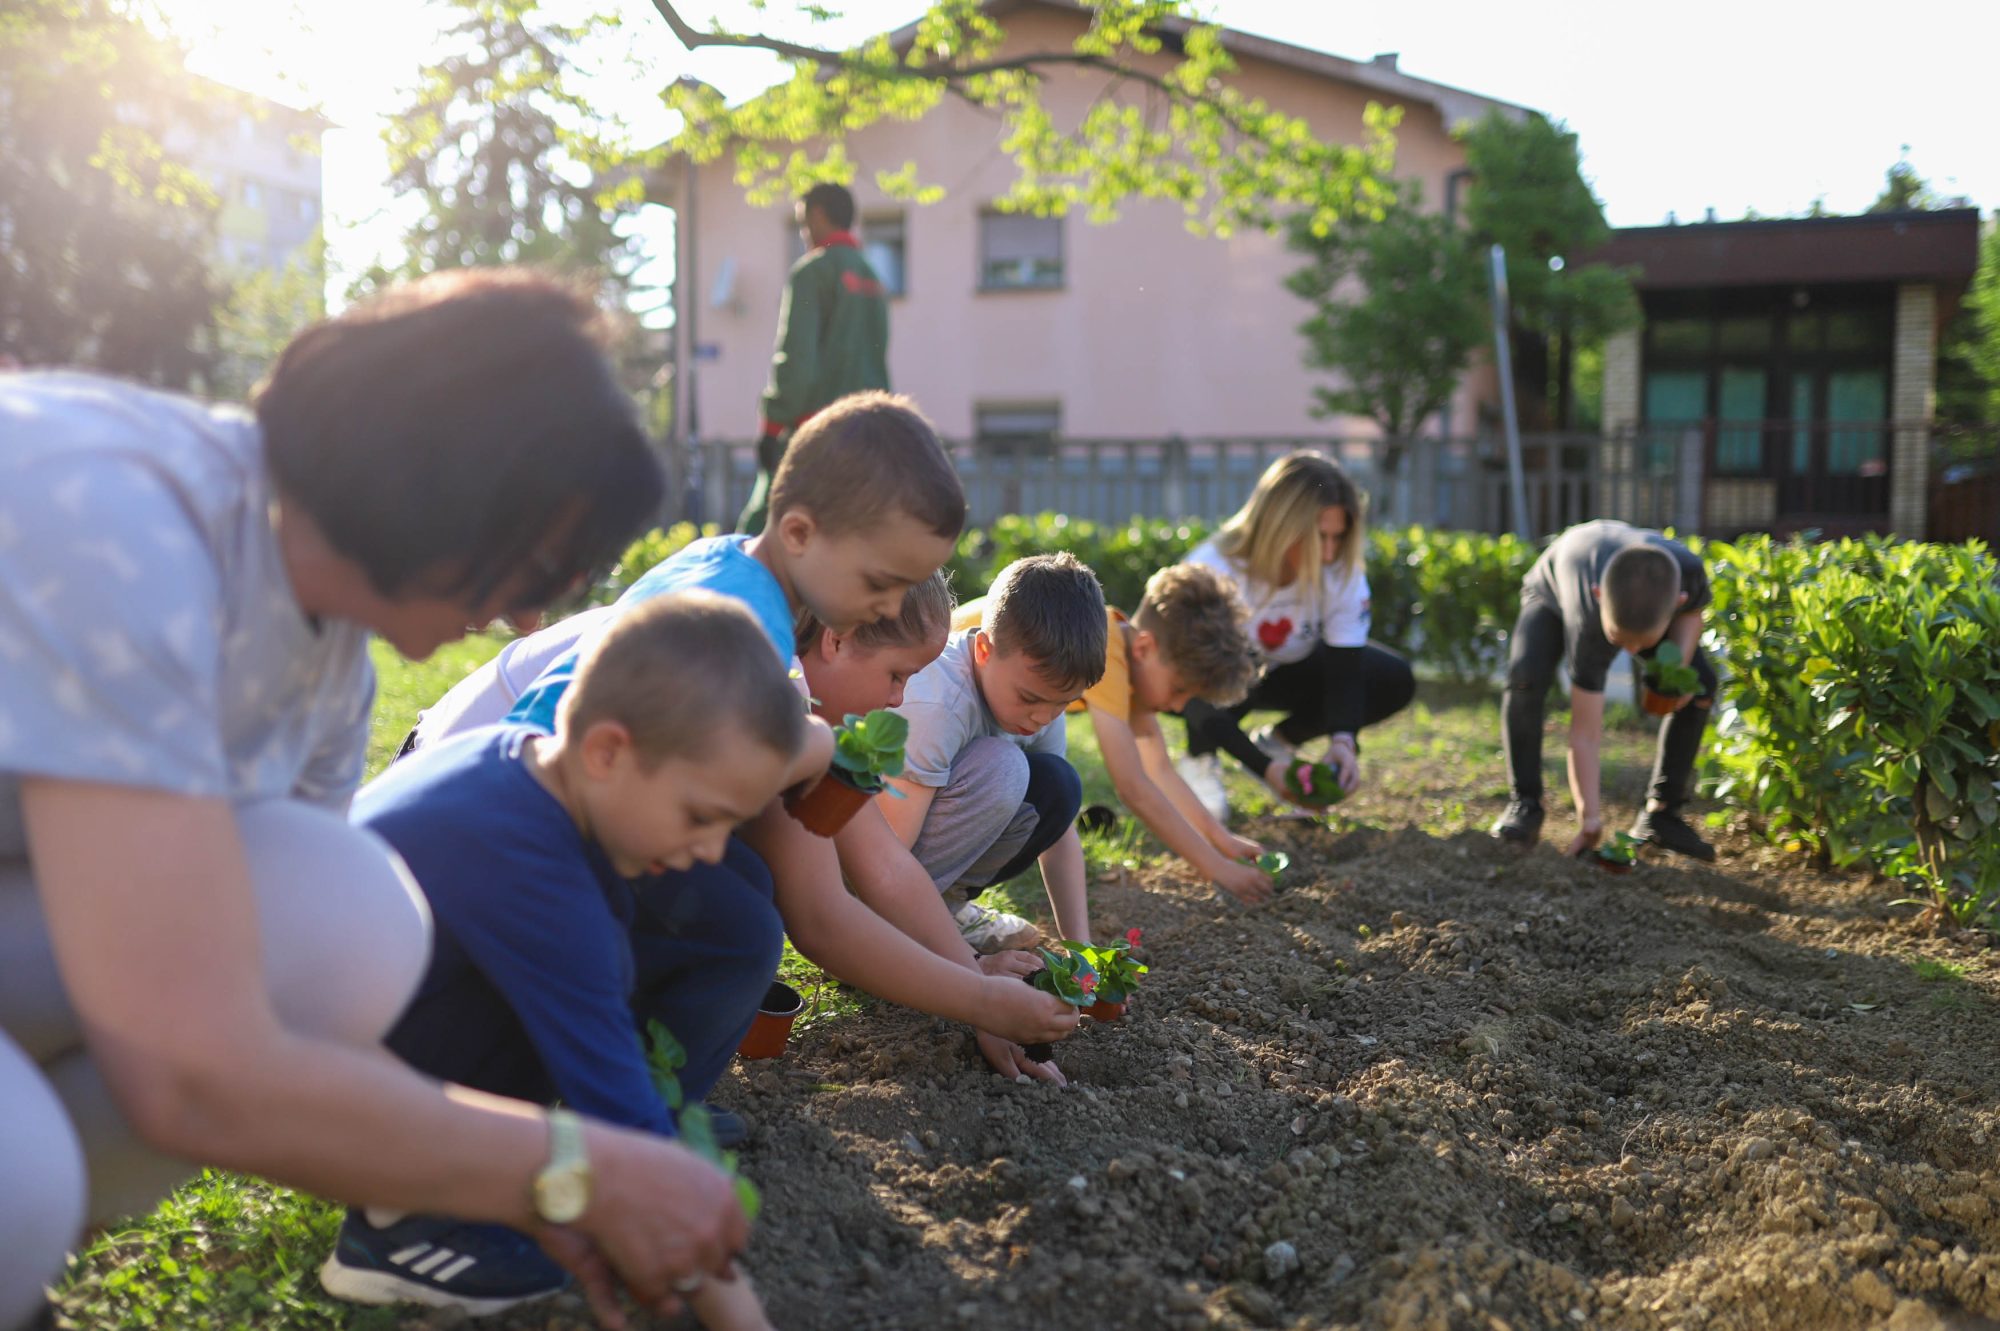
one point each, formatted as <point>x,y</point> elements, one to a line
<point>1333,691</point>
<point>1533,653</point>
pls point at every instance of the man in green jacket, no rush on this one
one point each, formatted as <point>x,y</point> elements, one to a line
<point>833,334</point>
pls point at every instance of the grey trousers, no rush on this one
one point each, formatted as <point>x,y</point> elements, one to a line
<point>346,939</point>
<point>979,819</point>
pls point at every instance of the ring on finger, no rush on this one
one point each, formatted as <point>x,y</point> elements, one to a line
<point>687,1284</point>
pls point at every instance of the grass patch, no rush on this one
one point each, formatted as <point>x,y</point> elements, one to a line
<point>1932,972</point>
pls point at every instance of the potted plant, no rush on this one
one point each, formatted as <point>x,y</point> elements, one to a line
<point>1313,784</point>
<point>1117,975</point>
<point>1617,855</point>
<point>1069,976</point>
<point>1668,679</point>
<point>665,1057</point>
<point>867,751</point>
<point>771,1028</point>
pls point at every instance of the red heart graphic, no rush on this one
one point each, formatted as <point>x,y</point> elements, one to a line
<point>1274,633</point>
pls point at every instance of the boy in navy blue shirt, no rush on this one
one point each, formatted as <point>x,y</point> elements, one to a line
<point>680,724</point>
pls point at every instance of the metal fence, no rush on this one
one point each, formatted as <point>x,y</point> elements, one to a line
<point>1712,477</point>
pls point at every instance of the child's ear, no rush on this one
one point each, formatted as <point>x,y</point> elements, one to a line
<point>982,648</point>
<point>602,746</point>
<point>830,644</point>
<point>1144,645</point>
<point>795,529</point>
<point>1682,599</point>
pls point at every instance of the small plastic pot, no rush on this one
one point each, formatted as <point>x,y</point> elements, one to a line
<point>1105,1012</point>
<point>1611,866</point>
<point>825,809</point>
<point>1326,791</point>
<point>1657,703</point>
<point>771,1029</point>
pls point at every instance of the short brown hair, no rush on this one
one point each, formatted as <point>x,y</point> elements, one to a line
<point>1642,587</point>
<point>457,424</point>
<point>1051,608</point>
<point>863,458</point>
<point>674,669</point>
<point>1197,618</point>
<point>927,611</point>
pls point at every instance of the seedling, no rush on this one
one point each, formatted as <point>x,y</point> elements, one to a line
<point>1668,674</point>
<point>1274,863</point>
<point>1083,976</point>
<point>1315,784</point>
<point>665,1057</point>
<point>1117,973</point>
<point>1067,974</point>
<point>1618,854</point>
<point>868,750</point>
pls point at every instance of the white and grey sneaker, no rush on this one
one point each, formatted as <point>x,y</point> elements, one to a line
<point>1204,777</point>
<point>991,931</point>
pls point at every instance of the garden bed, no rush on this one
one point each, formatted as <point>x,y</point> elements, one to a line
<point>1469,1088</point>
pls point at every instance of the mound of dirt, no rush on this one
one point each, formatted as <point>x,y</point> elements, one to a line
<point>1436,1084</point>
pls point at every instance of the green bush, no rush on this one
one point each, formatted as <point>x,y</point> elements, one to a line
<point>1904,660</point>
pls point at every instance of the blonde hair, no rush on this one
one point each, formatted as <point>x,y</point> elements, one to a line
<point>926,613</point>
<point>1283,512</point>
<point>674,669</point>
<point>1197,618</point>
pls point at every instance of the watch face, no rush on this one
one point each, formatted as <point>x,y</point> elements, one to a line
<point>562,1196</point>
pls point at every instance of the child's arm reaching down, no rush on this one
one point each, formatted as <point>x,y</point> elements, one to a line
<point>1120,743</point>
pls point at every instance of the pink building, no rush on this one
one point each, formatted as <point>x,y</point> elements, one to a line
<point>1016,325</point>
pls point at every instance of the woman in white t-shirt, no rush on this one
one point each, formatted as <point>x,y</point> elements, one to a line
<point>1294,552</point>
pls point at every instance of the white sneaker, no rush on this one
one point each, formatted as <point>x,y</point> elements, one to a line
<point>991,931</point>
<point>1203,776</point>
<point>1273,744</point>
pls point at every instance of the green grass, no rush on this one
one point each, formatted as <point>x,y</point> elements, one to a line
<point>230,1252</point>
<point>1933,971</point>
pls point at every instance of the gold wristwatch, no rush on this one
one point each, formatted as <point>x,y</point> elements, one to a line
<point>562,1189</point>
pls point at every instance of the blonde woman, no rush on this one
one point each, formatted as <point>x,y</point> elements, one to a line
<point>1294,552</point>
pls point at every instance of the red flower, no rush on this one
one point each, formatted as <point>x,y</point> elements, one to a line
<point>1087,983</point>
<point>1131,938</point>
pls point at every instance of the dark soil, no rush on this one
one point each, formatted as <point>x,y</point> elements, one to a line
<point>1464,1087</point>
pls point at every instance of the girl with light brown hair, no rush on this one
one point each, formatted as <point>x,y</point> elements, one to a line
<point>1294,551</point>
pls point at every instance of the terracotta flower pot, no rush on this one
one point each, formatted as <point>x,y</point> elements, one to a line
<point>1105,1011</point>
<point>1658,704</point>
<point>771,1029</point>
<point>1611,866</point>
<point>825,809</point>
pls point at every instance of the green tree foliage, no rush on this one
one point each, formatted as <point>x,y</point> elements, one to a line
<point>505,158</point>
<point>1169,124</point>
<point>104,232</point>
<point>261,311</point>
<point>1397,309</point>
<point>1528,195</point>
<point>1969,352</point>
<point>1903,190</point>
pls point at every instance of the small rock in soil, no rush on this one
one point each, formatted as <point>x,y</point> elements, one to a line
<point>1280,1260</point>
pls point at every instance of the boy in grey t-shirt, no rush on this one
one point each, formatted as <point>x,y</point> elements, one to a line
<point>1599,589</point>
<point>986,789</point>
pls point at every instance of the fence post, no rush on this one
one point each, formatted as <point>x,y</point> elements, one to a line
<point>1688,470</point>
<point>715,484</point>
<point>1173,477</point>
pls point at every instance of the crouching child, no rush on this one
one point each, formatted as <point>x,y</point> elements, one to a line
<point>680,724</point>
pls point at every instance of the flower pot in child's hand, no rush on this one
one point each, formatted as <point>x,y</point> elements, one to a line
<point>1658,704</point>
<point>825,809</point>
<point>1103,1011</point>
<point>772,1026</point>
<point>1314,784</point>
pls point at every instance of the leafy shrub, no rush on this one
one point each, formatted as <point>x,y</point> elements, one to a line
<point>1905,662</point>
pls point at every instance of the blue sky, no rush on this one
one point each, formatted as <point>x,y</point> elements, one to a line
<point>1729,104</point>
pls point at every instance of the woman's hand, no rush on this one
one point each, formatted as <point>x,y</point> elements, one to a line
<point>660,1218</point>
<point>1343,758</point>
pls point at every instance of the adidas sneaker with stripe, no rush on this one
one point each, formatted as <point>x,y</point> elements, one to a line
<point>439,1262</point>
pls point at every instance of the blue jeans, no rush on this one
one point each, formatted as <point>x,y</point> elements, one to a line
<point>706,944</point>
<point>705,947</point>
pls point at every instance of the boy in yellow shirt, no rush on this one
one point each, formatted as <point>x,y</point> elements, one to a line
<point>1186,641</point>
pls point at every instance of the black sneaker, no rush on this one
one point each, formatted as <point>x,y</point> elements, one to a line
<point>1521,824</point>
<point>438,1262</point>
<point>1669,831</point>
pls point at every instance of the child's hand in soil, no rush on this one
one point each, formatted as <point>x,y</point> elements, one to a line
<point>1011,1061</point>
<point>1591,831</point>
<point>1248,883</point>
<point>1013,962</point>
<point>1023,1013</point>
<point>728,1305</point>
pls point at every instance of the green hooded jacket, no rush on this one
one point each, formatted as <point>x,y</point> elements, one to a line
<point>833,334</point>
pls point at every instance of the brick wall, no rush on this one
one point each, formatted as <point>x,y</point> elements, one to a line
<point>1912,398</point>
<point>1621,413</point>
